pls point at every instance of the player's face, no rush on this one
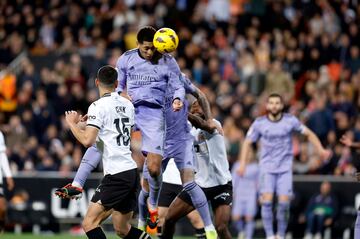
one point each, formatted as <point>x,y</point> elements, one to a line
<point>146,49</point>
<point>196,109</point>
<point>274,106</point>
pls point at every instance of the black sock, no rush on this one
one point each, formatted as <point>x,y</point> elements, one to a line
<point>135,233</point>
<point>96,233</point>
<point>200,233</point>
<point>159,232</point>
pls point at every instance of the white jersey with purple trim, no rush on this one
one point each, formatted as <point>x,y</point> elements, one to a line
<point>113,115</point>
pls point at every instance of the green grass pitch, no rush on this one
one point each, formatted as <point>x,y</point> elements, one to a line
<point>58,236</point>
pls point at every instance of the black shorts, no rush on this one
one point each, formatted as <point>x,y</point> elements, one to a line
<point>118,191</point>
<point>168,193</point>
<point>1,190</point>
<point>218,195</point>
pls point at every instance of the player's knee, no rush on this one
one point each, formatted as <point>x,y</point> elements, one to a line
<point>154,171</point>
<point>221,228</point>
<point>266,198</point>
<point>87,225</point>
<point>249,218</point>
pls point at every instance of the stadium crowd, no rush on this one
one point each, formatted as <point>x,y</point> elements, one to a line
<point>236,51</point>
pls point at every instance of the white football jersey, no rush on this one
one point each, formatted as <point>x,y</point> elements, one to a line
<point>113,115</point>
<point>171,173</point>
<point>4,163</point>
<point>211,158</point>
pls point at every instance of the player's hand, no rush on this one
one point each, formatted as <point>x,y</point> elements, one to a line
<point>346,140</point>
<point>177,104</point>
<point>72,117</point>
<point>328,222</point>
<point>357,176</point>
<point>325,154</point>
<point>83,118</point>
<point>214,126</point>
<point>10,183</point>
<point>241,169</point>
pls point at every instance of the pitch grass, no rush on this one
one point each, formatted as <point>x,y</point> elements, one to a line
<point>59,236</point>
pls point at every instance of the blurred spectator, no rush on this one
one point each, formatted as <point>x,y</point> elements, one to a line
<point>321,211</point>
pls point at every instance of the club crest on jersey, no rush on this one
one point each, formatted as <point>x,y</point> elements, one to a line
<point>120,109</point>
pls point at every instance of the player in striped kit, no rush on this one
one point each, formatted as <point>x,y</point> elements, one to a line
<point>4,168</point>
<point>245,199</point>
<point>276,158</point>
<point>212,175</point>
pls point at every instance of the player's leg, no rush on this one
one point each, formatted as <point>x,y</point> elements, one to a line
<point>237,213</point>
<point>151,123</point>
<point>142,200</point>
<point>250,212</point>
<point>95,214</point>
<point>168,193</point>
<point>357,225</point>
<point>177,209</point>
<point>284,190</point>
<point>123,228</point>
<point>267,187</point>
<point>185,162</point>
<point>222,219</point>
<point>197,223</point>
<point>2,211</point>
<point>221,201</point>
<point>89,162</point>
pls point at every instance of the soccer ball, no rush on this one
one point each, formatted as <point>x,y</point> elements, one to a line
<point>165,40</point>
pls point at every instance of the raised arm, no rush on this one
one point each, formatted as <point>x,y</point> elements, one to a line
<point>199,123</point>
<point>121,69</point>
<point>87,136</point>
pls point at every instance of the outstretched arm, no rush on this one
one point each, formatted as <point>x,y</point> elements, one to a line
<point>199,123</point>
<point>324,154</point>
<point>245,148</point>
<point>347,141</point>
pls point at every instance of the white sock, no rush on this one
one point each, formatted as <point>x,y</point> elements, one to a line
<point>210,228</point>
<point>76,184</point>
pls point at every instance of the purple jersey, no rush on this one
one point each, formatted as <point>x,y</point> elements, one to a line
<point>245,187</point>
<point>147,82</point>
<point>276,153</point>
<point>176,123</point>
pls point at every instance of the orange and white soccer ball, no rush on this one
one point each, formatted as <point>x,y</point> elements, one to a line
<point>165,40</point>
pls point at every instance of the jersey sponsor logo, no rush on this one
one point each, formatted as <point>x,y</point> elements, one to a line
<point>120,109</point>
<point>138,79</point>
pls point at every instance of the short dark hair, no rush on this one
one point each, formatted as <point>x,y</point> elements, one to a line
<point>146,34</point>
<point>275,95</point>
<point>107,75</point>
